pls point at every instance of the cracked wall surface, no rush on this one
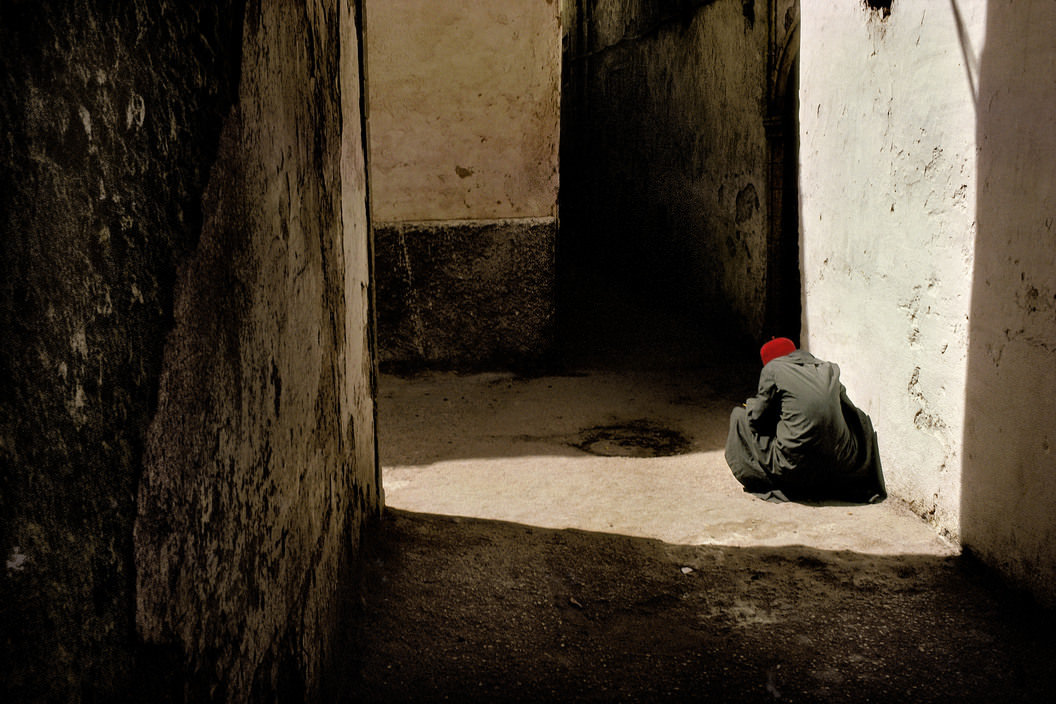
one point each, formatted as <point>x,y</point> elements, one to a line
<point>928,256</point>
<point>888,222</point>
<point>186,428</point>
<point>259,464</point>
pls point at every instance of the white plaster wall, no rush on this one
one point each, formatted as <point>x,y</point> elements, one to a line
<point>464,108</point>
<point>888,182</point>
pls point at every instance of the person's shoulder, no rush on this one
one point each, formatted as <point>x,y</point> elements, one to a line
<point>800,357</point>
<point>805,360</point>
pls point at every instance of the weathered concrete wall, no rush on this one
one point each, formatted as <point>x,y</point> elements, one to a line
<point>1009,482</point>
<point>888,182</point>
<point>109,120</point>
<point>259,463</point>
<point>664,161</point>
<point>125,213</point>
<point>464,126</point>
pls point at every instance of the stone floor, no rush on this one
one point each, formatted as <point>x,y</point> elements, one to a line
<point>500,447</point>
<point>578,537</point>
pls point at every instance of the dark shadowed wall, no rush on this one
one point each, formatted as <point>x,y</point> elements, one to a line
<point>1008,489</point>
<point>110,121</point>
<point>186,429</point>
<point>664,156</point>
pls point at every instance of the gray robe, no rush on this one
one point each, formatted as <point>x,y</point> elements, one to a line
<point>800,436</point>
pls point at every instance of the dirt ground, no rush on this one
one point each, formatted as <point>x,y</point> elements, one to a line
<point>578,537</point>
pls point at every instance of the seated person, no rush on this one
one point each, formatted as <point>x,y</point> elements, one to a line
<point>800,437</point>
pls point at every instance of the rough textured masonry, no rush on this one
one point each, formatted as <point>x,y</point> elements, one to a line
<point>186,433</point>
<point>928,256</point>
<point>464,176</point>
<point>467,295</point>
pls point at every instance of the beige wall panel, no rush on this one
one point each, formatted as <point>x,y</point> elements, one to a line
<point>464,107</point>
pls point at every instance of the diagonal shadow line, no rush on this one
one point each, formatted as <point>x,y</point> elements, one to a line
<point>971,60</point>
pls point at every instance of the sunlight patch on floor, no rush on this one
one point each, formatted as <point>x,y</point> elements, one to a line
<point>686,499</point>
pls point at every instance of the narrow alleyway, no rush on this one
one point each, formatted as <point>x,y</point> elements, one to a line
<point>578,537</point>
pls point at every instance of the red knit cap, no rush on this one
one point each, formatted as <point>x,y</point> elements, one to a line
<point>778,347</point>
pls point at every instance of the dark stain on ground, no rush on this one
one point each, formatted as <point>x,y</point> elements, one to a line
<point>636,438</point>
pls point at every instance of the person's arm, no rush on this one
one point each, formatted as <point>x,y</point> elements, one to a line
<point>764,407</point>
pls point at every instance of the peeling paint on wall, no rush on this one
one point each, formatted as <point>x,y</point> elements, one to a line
<point>928,171</point>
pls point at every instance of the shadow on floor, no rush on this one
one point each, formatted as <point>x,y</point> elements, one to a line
<point>476,610</point>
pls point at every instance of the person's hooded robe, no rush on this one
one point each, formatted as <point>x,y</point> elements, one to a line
<point>800,436</point>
